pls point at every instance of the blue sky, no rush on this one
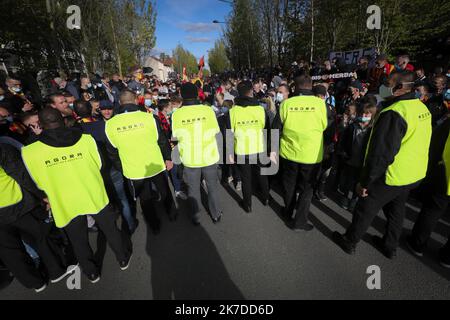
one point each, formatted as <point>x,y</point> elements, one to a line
<point>189,22</point>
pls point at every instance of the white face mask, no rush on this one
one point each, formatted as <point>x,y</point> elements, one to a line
<point>279,97</point>
<point>386,92</point>
<point>2,97</point>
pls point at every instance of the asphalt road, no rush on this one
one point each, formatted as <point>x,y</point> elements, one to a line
<point>255,256</point>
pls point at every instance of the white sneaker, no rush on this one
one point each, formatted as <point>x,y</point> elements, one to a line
<point>181,195</point>
<point>94,278</point>
<point>230,180</point>
<point>39,290</point>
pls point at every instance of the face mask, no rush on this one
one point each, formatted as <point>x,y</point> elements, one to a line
<point>279,97</point>
<point>447,95</point>
<point>148,102</point>
<point>8,119</point>
<point>2,98</point>
<point>71,106</point>
<point>418,95</point>
<point>225,110</point>
<point>89,85</point>
<point>17,89</point>
<point>365,119</point>
<point>99,85</point>
<point>397,67</point>
<point>386,92</point>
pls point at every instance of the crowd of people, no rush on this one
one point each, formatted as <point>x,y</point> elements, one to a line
<point>366,140</point>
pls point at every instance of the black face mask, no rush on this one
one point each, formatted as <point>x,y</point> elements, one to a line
<point>4,128</point>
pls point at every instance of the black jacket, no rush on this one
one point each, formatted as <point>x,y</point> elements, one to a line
<point>351,140</point>
<point>436,177</point>
<point>11,162</point>
<point>387,136</point>
<point>163,143</point>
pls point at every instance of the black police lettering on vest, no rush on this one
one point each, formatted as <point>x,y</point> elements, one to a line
<point>130,127</point>
<point>248,123</point>
<point>424,116</point>
<point>302,109</point>
<point>63,159</point>
<point>193,120</point>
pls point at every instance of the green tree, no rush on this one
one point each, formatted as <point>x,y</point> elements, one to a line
<point>184,58</point>
<point>114,34</point>
<point>217,58</point>
<point>242,37</point>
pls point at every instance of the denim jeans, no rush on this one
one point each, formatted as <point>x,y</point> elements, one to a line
<point>119,188</point>
<point>175,180</point>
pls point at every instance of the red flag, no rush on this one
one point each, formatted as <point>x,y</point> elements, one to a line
<point>201,63</point>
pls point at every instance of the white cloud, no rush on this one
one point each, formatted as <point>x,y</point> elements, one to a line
<point>198,39</point>
<point>199,27</point>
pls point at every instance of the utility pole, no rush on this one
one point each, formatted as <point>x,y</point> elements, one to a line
<point>312,30</point>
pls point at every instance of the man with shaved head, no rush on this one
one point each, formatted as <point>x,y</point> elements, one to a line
<point>140,150</point>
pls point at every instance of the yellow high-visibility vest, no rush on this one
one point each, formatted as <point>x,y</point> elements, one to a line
<point>10,193</point>
<point>304,121</point>
<point>135,136</point>
<point>70,176</point>
<point>196,128</point>
<point>247,124</point>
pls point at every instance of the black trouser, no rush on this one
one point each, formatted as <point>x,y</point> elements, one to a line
<point>15,257</point>
<point>246,172</point>
<point>381,196</point>
<point>77,232</point>
<point>301,177</point>
<point>349,179</point>
<point>153,202</point>
<point>434,207</point>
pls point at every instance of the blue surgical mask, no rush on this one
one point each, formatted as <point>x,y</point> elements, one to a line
<point>2,98</point>
<point>447,95</point>
<point>71,106</point>
<point>364,119</point>
<point>279,97</point>
<point>148,102</point>
<point>99,85</point>
<point>418,95</point>
<point>225,110</point>
<point>17,89</point>
<point>89,85</point>
<point>9,119</point>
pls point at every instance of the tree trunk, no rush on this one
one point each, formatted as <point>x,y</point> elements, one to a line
<point>119,62</point>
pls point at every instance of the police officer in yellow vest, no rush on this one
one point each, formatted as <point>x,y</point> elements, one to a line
<point>195,127</point>
<point>138,148</point>
<point>302,121</point>
<point>247,121</point>
<point>66,165</point>
<point>396,161</point>
<point>22,215</point>
<point>436,195</point>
